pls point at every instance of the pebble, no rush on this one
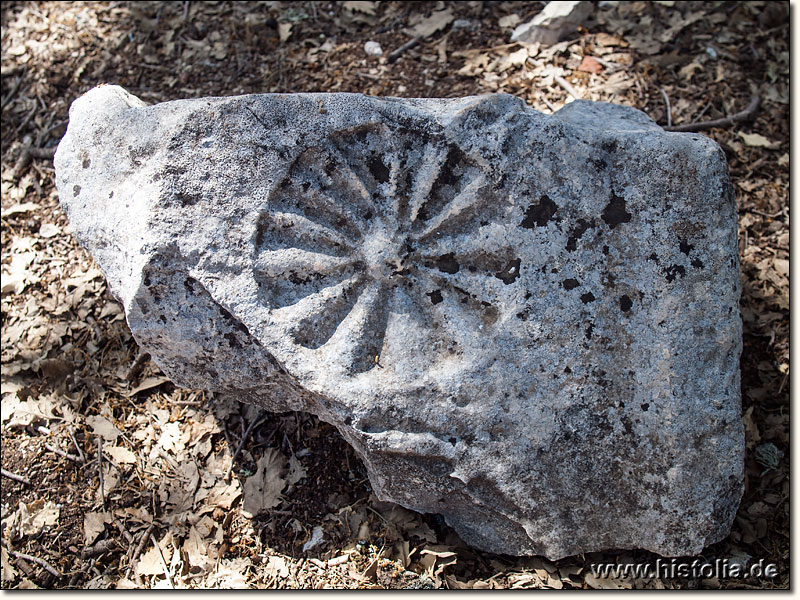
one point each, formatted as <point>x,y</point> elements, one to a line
<point>373,48</point>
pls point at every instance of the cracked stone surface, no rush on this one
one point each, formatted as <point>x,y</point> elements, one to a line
<point>526,323</point>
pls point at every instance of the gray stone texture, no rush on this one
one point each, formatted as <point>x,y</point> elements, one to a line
<point>526,323</point>
<point>558,20</point>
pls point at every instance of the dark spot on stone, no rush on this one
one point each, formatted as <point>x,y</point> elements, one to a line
<point>86,163</point>
<point>615,213</point>
<point>605,250</point>
<point>653,257</point>
<point>588,297</point>
<point>163,319</point>
<point>379,170</point>
<point>673,271</point>
<point>539,214</point>
<point>76,189</point>
<point>110,195</point>
<point>567,370</point>
<point>368,215</point>
<point>447,263</point>
<point>570,284</point>
<point>685,247</point>
<point>146,280</point>
<point>645,407</point>
<point>589,329</point>
<point>232,341</point>
<point>452,440</point>
<point>472,268</point>
<point>697,263</point>
<point>528,294</point>
<point>574,235</point>
<point>435,296</point>
<point>510,272</point>
<point>625,303</point>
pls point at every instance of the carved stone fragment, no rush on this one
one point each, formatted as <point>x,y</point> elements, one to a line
<point>526,323</point>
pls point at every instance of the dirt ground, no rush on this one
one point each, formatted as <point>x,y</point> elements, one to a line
<point>123,480</point>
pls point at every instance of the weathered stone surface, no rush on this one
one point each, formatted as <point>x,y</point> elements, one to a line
<point>558,19</point>
<point>526,323</point>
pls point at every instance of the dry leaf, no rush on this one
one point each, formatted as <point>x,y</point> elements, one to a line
<point>231,574</point>
<point>590,65</point>
<point>196,549</point>
<point>32,518</point>
<point>48,230</point>
<point>7,572</point>
<point>296,471</point>
<point>756,140</point>
<point>605,39</point>
<point>427,27</point>
<point>602,583</point>
<point>17,276</point>
<point>94,523</point>
<point>688,71</point>
<point>509,21</point>
<point>276,567</point>
<point>103,427</point>
<point>262,491</point>
<point>148,383</point>
<point>19,208</point>
<point>150,561</point>
<point>362,6</point>
<point>752,436</point>
<point>120,455</point>
<point>284,31</point>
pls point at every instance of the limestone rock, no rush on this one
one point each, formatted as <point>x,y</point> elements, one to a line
<point>526,323</point>
<point>557,20</point>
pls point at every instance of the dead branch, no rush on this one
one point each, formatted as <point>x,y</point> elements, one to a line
<point>567,86</point>
<point>100,470</point>
<point>15,477</point>
<point>66,455</point>
<point>744,115</point>
<point>395,54</point>
<point>99,548</point>
<point>138,366</point>
<point>74,441</point>
<point>39,561</point>
<point>28,153</point>
<point>245,435</point>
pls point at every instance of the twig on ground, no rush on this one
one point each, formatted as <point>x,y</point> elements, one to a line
<point>66,455</point>
<point>39,561</point>
<point>74,441</point>
<point>100,470</point>
<point>567,86</point>
<point>744,115</point>
<point>763,214</point>
<point>163,562</point>
<point>137,366</point>
<point>395,54</point>
<point>245,435</point>
<point>669,110</point>
<point>10,96</point>
<point>99,548</point>
<point>128,537</point>
<point>28,153</point>
<point>140,548</point>
<point>15,477</point>
<point>549,104</point>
